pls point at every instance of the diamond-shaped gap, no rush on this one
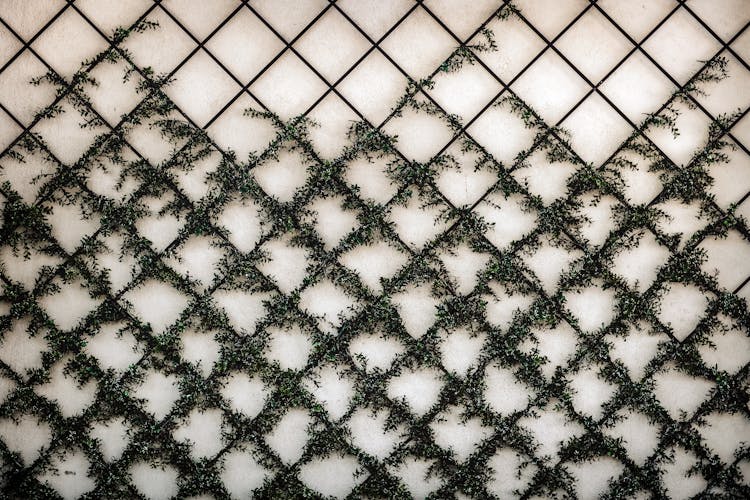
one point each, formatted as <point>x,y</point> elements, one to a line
<point>108,15</point>
<point>201,88</point>
<point>727,347</point>
<point>593,45</point>
<point>332,387</point>
<point>549,16</point>
<point>197,179</point>
<point>289,17</point>
<point>68,42</point>
<point>158,391</point>
<point>593,477</point>
<point>375,17</point>
<point>161,49</point>
<point>333,118</point>
<point>242,472</point>
<point>599,213</point>
<point>244,45</point>
<point>724,433</point>
<point>67,473</point>
<point>464,178</point>
<point>682,219</point>
<point>636,348</point>
<point>504,303</point>
<point>418,307</point>
<point>197,258</point>
<point>374,263</point>
<point>517,46</point>
<point>375,351</point>
<point>15,80</point>
<point>334,475</point>
<point>502,133</point>
<point>637,19</point>
<point>245,394</point>
<point>288,87</point>
<point>596,129</point>
<point>332,45</point>
<point>509,217</point>
<point>640,263</point>
<point>234,130</point>
<point>469,21</point>
<point>591,391</point>
<point>242,219</point>
<point>27,435</point>
<point>110,179</point>
<point>287,264</point>
<point>510,473</point>
<point>728,95</point>
<point>68,306</point>
<point>200,18</point>
<point>328,303</point>
<point>22,348</point>
<point>374,87</point>
<point>417,221</point>
<point>464,264</point>
<point>244,308</point>
<point>724,17</point>
<point>201,430</point>
<point>639,185</point>
<point>419,45</point>
<point>677,473</point>
<point>458,435</point>
<point>731,178</point>
<point>27,18</point>
<point>155,480</point>
<point>160,226</point>
<point>332,219</point>
<point>201,349</point>
<point>67,133</point>
<point>157,303</point>
<point>680,46</point>
<point>289,436</point>
<point>551,429</point>
<point>372,178</point>
<point>549,262</point>
<point>460,350</point>
<point>680,393</point>
<point>638,433</point>
<point>504,392</point>
<point>419,475</point>
<point>289,347</point>
<point>24,268</point>
<point>728,257</point>
<point>114,346</point>
<point>682,307</point>
<point>153,140</point>
<point>693,129</point>
<point>117,261</point>
<point>544,178</point>
<point>594,306</point>
<point>464,91</point>
<point>26,175</point>
<point>637,87</point>
<point>283,175</point>
<point>554,344</point>
<point>71,396</point>
<point>419,133</point>
<point>418,388</point>
<point>371,433</point>
<point>112,437</point>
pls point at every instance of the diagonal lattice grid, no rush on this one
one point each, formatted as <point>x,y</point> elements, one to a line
<point>218,283</point>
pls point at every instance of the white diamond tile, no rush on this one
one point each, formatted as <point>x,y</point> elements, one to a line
<point>200,18</point>
<point>289,17</point>
<point>161,49</point>
<point>27,17</point>
<point>639,17</point>
<point>419,45</point>
<point>375,17</point>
